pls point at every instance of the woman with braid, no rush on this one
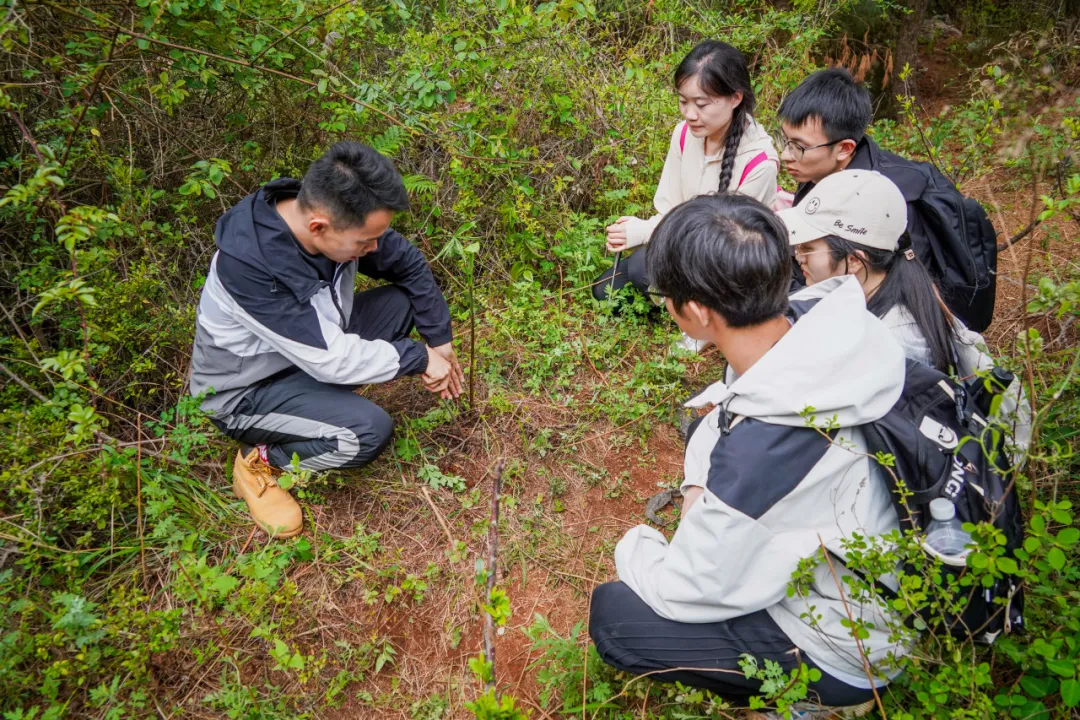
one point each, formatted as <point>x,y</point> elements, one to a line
<point>718,147</point>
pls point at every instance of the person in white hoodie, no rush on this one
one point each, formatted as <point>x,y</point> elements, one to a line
<point>718,147</point>
<point>764,490</point>
<point>854,222</point>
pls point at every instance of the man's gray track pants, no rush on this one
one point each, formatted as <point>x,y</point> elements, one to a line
<point>327,426</point>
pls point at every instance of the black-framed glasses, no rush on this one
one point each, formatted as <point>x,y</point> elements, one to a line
<point>797,150</point>
<point>656,296</point>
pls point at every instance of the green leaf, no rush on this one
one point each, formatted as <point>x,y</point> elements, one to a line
<point>322,86</point>
<point>224,584</point>
<point>1064,668</point>
<point>1007,565</point>
<point>978,561</point>
<point>1070,693</point>
<point>1034,711</point>
<point>1068,537</point>
<point>302,550</point>
<point>1037,687</point>
<point>1062,517</point>
<point>1038,523</point>
<point>1056,558</point>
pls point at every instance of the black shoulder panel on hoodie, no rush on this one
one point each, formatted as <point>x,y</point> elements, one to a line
<point>269,302</point>
<point>798,308</point>
<point>757,464</point>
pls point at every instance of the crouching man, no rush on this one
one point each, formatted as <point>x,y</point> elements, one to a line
<point>282,340</point>
<point>762,490</point>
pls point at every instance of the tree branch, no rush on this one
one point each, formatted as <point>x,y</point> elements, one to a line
<point>233,61</point>
<point>1006,244</point>
<point>286,36</point>
<point>23,384</point>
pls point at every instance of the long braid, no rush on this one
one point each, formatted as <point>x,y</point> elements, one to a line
<point>731,147</point>
<point>722,73</point>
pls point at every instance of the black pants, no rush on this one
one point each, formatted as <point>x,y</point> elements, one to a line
<point>327,426</point>
<point>630,636</point>
<point>631,270</point>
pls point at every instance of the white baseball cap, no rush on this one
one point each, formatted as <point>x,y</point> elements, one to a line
<point>862,206</point>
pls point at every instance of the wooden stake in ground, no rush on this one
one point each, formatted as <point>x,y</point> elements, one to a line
<point>472,337</point>
<point>138,500</point>
<point>493,552</point>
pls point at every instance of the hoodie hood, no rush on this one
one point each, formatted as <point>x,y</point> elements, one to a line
<point>838,358</point>
<point>253,233</point>
<point>755,140</point>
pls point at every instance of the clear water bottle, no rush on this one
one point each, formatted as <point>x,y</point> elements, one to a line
<point>945,535</point>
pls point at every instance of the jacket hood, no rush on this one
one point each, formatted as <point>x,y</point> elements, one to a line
<point>838,358</point>
<point>253,233</point>
<point>755,140</point>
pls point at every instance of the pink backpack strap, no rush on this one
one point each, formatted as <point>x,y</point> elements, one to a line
<point>757,160</point>
<point>682,139</point>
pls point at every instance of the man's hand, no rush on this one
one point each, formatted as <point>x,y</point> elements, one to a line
<point>457,375</point>
<point>444,374</point>
<point>616,235</point>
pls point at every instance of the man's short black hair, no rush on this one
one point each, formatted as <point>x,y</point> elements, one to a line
<point>350,181</point>
<point>727,252</point>
<point>833,98</point>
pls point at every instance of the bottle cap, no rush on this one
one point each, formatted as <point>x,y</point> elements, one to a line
<point>942,509</point>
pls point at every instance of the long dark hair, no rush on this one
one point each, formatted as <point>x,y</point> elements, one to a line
<point>906,284</point>
<point>721,71</point>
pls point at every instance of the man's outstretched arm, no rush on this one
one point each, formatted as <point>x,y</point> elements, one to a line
<point>400,262</point>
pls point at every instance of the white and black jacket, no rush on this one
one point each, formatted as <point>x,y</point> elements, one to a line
<point>776,489</point>
<point>265,308</point>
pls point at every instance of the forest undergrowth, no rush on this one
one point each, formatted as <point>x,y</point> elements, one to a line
<point>131,581</point>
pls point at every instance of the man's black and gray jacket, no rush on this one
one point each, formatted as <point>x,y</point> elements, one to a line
<point>268,305</point>
<point>775,489</point>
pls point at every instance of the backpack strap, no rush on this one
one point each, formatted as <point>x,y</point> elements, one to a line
<point>757,160</point>
<point>682,137</point>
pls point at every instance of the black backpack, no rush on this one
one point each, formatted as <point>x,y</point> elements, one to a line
<point>922,432</point>
<point>952,235</point>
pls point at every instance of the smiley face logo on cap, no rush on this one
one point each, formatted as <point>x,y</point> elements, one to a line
<point>812,206</point>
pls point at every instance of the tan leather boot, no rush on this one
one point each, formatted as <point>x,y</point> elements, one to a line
<point>272,509</point>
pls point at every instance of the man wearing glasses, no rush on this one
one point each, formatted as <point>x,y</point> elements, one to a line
<point>823,128</point>
<point>823,131</point>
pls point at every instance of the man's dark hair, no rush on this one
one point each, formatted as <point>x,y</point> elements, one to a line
<point>727,252</point>
<point>350,181</point>
<point>833,98</point>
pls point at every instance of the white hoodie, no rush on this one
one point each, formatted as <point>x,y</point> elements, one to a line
<point>971,357</point>
<point>688,172</point>
<point>775,489</point>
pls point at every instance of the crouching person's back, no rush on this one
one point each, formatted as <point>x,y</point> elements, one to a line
<point>762,489</point>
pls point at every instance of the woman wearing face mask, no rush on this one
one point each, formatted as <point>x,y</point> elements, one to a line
<point>854,222</point>
<point>718,147</point>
